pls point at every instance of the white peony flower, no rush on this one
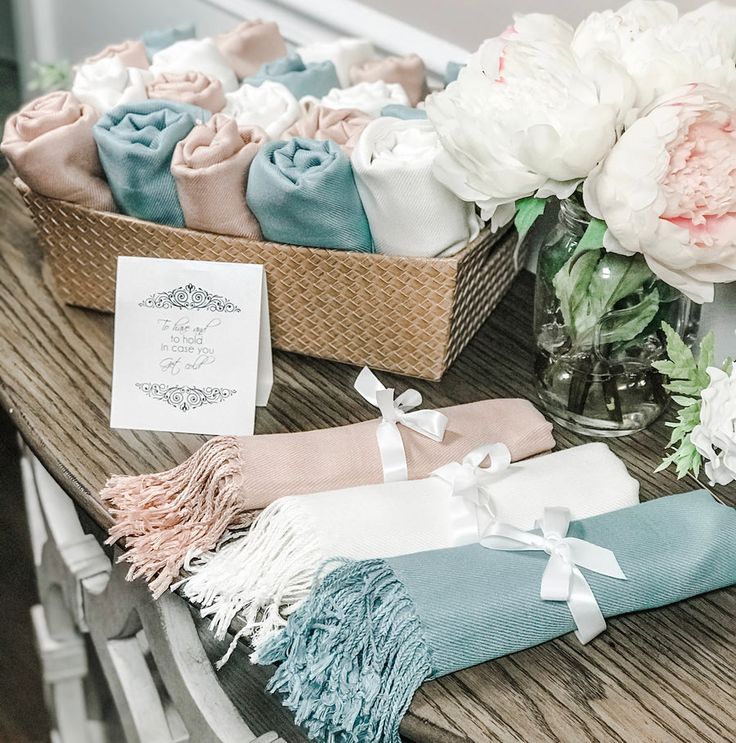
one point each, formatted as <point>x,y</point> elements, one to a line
<point>659,51</point>
<point>715,436</point>
<point>667,190</point>
<point>526,118</point>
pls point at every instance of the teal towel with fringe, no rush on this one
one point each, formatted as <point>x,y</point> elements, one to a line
<point>397,111</point>
<point>159,39</point>
<point>302,192</point>
<point>316,78</point>
<point>135,142</point>
<point>354,654</point>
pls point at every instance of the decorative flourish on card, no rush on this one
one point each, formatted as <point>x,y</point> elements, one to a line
<point>189,297</point>
<point>185,398</point>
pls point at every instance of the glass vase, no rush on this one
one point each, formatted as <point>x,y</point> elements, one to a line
<point>597,324</point>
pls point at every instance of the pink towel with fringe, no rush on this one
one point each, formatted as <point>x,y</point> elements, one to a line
<point>342,125</point>
<point>50,145</point>
<point>130,53</point>
<point>210,167</point>
<point>169,517</point>
<point>194,88</point>
<point>250,45</point>
<point>408,71</point>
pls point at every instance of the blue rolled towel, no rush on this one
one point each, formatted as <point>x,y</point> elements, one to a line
<point>452,71</point>
<point>159,39</point>
<point>353,655</point>
<point>302,192</point>
<point>397,111</point>
<point>316,78</point>
<point>135,142</point>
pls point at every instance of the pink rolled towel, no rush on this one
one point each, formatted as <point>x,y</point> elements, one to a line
<point>130,53</point>
<point>169,517</point>
<point>50,145</point>
<point>250,45</point>
<point>408,71</point>
<point>210,167</point>
<point>194,88</point>
<point>342,125</point>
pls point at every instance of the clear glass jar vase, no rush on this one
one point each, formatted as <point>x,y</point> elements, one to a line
<point>597,326</point>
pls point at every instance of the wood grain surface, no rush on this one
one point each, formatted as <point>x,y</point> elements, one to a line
<point>665,675</point>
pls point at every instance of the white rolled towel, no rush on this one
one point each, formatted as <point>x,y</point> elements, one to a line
<point>409,211</point>
<point>267,573</point>
<point>105,83</point>
<point>196,55</point>
<point>269,105</point>
<point>343,53</point>
<point>368,97</point>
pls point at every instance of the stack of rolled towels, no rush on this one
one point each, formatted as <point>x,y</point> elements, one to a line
<point>325,146</point>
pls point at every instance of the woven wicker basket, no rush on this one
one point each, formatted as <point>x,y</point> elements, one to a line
<point>412,316</point>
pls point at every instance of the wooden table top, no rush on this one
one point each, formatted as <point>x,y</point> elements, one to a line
<point>665,675</point>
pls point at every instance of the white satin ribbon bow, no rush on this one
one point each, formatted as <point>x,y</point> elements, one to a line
<point>429,423</point>
<point>562,579</point>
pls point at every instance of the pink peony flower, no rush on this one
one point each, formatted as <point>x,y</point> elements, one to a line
<point>667,189</point>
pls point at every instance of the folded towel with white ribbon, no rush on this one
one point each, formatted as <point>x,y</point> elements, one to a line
<point>368,97</point>
<point>107,83</point>
<point>210,167</point>
<point>196,55</point>
<point>344,53</point>
<point>372,631</point>
<point>250,45</point>
<point>408,71</point>
<point>393,171</point>
<point>168,517</point>
<point>270,106</point>
<point>264,575</point>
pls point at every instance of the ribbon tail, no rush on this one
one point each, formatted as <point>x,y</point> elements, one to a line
<point>584,608</point>
<point>393,456</point>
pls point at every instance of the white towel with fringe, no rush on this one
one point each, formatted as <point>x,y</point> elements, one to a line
<point>108,82</point>
<point>368,97</point>
<point>409,211</point>
<point>343,53</point>
<point>270,105</point>
<point>264,575</point>
<point>196,55</point>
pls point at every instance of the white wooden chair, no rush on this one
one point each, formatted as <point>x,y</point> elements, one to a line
<point>160,680</point>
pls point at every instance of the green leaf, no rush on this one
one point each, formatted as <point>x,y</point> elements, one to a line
<point>593,236</point>
<point>624,325</point>
<point>572,281</point>
<point>527,212</point>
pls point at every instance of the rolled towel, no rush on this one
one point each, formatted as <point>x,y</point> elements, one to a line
<point>135,143</point>
<point>210,167</point>
<point>251,44</point>
<point>196,55</point>
<point>130,53</point>
<point>373,631</point>
<point>270,106</point>
<point>302,192</point>
<point>342,125</point>
<point>452,71</point>
<point>194,88</point>
<point>50,145</point>
<point>157,40</point>
<point>368,97</point>
<point>403,112</point>
<point>265,575</point>
<point>167,517</point>
<point>408,71</point>
<point>410,212</point>
<point>108,83</point>
<point>314,79</point>
<point>343,53</point>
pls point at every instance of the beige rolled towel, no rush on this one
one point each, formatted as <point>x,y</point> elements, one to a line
<point>194,88</point>
<point>130,53</point>
<point>408,71</point>
<point>210,167</point>
<point>49,143</point>
<point>250,45</point>
<point>342,125</point>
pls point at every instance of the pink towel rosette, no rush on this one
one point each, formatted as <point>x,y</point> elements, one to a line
<point>342,125</point>
<point>408,71</point>
<point>210,167</point>
<point>130,53</point>
<point>250,45</point>
<point>50,145</point>
<point>194,88</point>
